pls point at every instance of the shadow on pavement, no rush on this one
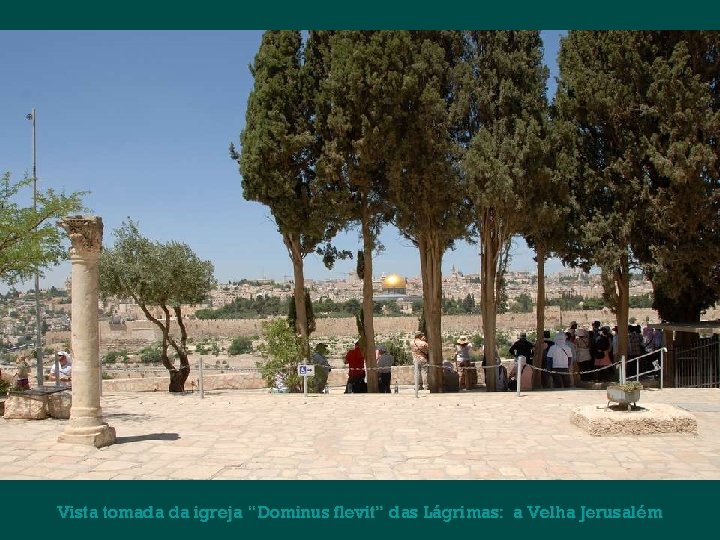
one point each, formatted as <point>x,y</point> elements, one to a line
<point>148,437</point>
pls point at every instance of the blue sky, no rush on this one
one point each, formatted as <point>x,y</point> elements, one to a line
<point>142,120</point>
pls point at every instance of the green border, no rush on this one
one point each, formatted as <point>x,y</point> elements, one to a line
<point>685,505</point>
<point>368,14</point>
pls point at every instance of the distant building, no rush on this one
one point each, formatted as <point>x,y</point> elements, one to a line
<point>393,288</point>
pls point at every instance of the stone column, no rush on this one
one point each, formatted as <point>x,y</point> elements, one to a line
<point>85,425</point>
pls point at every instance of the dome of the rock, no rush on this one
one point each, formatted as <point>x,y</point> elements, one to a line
<point>395,283</point>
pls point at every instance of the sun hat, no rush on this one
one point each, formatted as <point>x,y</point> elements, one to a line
<point>462,340</point>
<point>419,333</point>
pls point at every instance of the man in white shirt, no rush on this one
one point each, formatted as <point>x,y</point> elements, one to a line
<point>64,365</point>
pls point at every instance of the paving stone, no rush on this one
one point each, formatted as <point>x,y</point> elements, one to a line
<point>433,437</point>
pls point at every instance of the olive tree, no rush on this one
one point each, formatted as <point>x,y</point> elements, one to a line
<point>157,276</point>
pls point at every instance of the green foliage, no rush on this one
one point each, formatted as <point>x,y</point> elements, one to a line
<point>153,273</point>
<point>247,308</point>
<point>422,324</point>
<point>569,301</point>
<point>112,357</point>
<point>4,386</point>
<point>641,301</point>
<point>151,354</point>
<point>504,80</point>
<point>451,306</point>
<point>309,313</point>
<point>31,240</point>
<point>240,345</point>
<point>399,350</point>
<point>644,107</point>
<point>360,266</point>
<point>503,343</point>
<point>278,161</point>
<point>282,351</point>
<point>523,304</point>
<point>166,275</point>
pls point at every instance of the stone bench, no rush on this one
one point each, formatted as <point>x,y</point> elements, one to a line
<point>39,403</point>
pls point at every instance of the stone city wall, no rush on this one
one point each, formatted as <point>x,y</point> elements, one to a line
<point>134,335</point>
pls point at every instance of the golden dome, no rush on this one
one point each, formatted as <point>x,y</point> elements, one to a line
<point>394,281</point>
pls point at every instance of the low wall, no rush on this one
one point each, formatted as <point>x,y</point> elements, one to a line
<point>244,380</point>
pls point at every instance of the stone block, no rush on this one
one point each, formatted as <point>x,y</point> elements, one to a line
<point>650,419</point>
<point>59,404</point>
<point>25,407</point>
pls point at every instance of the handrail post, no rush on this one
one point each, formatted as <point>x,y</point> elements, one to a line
<point>200,380</point>
<point>663,350</point>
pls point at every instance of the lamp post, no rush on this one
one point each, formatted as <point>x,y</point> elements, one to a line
<point>38,319</point>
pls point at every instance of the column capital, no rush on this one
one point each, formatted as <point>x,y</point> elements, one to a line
<point>85,234</point>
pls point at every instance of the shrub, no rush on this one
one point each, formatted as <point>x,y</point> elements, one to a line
<point>399,350</point>
<point>114,356</point>
<point>240,345</point>
<point>281,351</point>
<point>151,354</point>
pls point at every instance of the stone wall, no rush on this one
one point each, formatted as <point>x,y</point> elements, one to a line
<point>134,335</point>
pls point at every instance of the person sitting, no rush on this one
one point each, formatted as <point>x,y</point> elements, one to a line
<point>450,378</point>
<point>525,377</point>
<point>64,366</point>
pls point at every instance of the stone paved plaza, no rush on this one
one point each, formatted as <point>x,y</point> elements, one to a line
<point>470,435</point>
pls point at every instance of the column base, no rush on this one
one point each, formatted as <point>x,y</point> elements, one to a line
<point>99,436</point>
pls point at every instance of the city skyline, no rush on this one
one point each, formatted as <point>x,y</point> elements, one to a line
<point>142,120</point>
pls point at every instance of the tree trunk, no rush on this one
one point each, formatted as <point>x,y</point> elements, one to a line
<point>292,242</point>
<point>622,288</point>
<point>489,250</point>
<point>431,253</point>
<point>540,315</point>
<point>177,376</point>
<point>368,302</point>
<point>182,351</point>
